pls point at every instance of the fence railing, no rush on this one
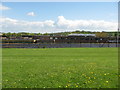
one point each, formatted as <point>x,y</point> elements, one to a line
<point>57,45</point>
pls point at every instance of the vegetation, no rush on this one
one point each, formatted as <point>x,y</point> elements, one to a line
<point>99,34</point>
<point>60,68</point>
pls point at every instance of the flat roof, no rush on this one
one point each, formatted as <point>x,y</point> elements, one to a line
<point>81,35</point>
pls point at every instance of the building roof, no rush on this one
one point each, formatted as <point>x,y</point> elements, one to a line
<point>82,35</point>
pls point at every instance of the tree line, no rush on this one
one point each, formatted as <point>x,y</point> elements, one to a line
<point>98,34</point>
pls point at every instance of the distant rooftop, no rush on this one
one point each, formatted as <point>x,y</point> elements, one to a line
<point>82,35</point>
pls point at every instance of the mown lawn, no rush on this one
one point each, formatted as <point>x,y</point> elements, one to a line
<point>60,68</point>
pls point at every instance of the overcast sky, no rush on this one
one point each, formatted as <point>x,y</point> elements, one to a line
<point>58,17</point>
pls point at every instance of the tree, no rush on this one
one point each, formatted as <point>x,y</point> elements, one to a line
<point>101,34</point>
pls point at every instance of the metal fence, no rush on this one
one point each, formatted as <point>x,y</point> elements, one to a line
<point>57,45</point>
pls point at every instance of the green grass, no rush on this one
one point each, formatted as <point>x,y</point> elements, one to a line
<point>60,68</point>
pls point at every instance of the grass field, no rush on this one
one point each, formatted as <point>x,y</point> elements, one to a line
<point>60,68</point>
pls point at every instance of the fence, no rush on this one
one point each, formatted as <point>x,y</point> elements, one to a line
<point>57,45</point>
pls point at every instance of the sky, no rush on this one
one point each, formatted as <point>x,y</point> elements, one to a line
<point>46,17</point>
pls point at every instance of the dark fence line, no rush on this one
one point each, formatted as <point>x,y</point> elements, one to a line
<point>57,45</point>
